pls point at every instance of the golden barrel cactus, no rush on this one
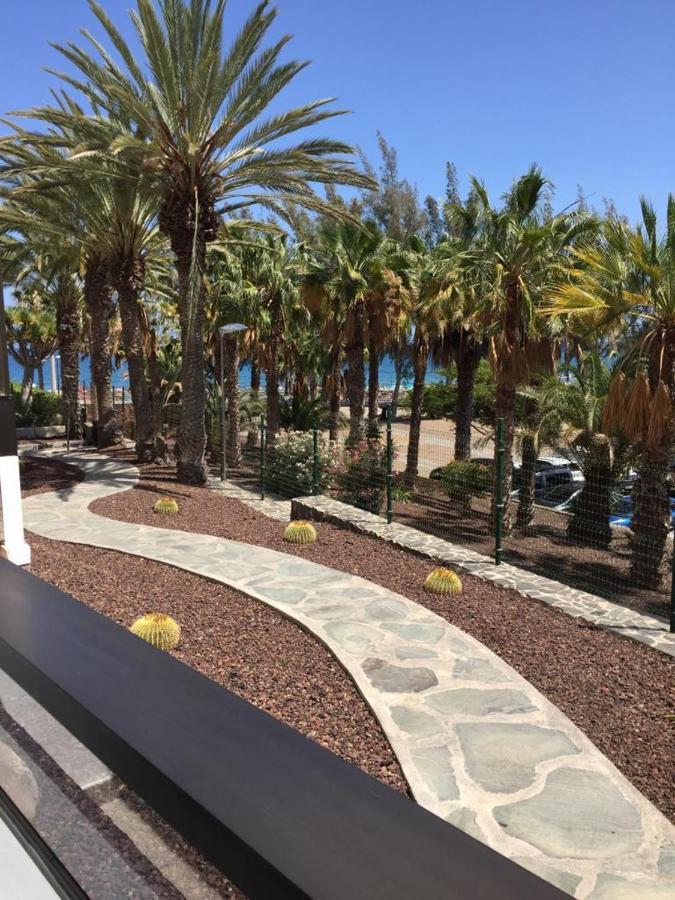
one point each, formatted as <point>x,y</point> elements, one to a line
<point>443,581</point>
<point>157,629</point>
<point>166,505</point>
<point>300,532</point>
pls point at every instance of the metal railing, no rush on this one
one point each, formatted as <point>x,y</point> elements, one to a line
<point>276,813</point>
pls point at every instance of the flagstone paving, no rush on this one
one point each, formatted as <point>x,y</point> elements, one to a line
<point>580,604</point>
<point>478,744</point>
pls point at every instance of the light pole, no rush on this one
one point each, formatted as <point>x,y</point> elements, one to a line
<point>232,328</point>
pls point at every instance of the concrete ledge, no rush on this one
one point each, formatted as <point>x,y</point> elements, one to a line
<point>40,431</point>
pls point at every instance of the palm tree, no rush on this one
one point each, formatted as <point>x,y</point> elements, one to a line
<point>31,336</point>
<point>195,128</point>
<point>428,298</point>
<point>49,268</point>
<point>570,414</point>
<point>520,253</point>
<point>340,276</point>
<point>626,282</point>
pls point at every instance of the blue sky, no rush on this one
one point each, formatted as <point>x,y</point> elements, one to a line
<point>583,88</point>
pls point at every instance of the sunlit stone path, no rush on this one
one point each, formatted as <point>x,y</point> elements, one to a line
<point>478,744</point>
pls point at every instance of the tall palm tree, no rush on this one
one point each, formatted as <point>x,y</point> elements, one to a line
<point>626,282</point>
<point>112,212</point>
<point>521,252</point>
<point>341,275</point>
<point>196,129</point>
<point>428,299</point>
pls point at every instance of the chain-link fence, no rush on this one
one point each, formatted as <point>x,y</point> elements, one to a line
<point>583,523</point>
<point>587,526</point>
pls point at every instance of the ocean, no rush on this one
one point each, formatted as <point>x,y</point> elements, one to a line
<point>120,377</point>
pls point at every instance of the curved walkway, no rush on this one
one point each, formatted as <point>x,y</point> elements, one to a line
<point>477,743</point>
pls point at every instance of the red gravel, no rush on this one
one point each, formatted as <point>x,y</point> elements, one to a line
<point>619,692</point>
<point>39,475</point>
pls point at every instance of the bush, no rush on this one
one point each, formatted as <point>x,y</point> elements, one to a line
<point>290,464</point>
<point>360,476</point>
<point>464,480</point>
<point>43,408</point>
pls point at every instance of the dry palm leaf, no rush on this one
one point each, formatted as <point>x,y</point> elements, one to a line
<point>615,404</point>
<point>660,416</point>
<point>636,418</point>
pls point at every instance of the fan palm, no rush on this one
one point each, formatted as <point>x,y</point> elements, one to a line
<point>627,282</point>
<point>340,277</point>
<point>195,129</point>
<point>520,253</point>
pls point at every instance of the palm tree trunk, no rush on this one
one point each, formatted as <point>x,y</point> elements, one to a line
<point>421,357</point>
<point>233,411</point>
<point>651,503</point>
<point>98,296</point>
<point>129,280</point>
<point>356,373</point>
<point>69,330</point>
<point>373,384</point>
<point>525,512</point>
<point>41,377</point>
<point>399,361</point>
<point>334,408</point>
<point>589,523</point>
<point>651,520</point>
<point>468,355</point>
<point>191,440</point>
<point>26,383</point>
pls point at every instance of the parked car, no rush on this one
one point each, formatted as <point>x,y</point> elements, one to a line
<point>622,512</point>
<point>562,497</point>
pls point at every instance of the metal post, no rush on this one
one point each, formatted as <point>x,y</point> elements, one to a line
<point>223,473</point>
<point>5,386</point>
<point>390,474</point>
<point>262,457</point>
<point>315,458</point>
<point>124,418</point>
<point>499,492</point>
<point>672,590</point>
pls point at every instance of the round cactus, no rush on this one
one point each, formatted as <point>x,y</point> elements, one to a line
<point>157,629</point>
<point>443,581</point>
<point>166,505</point>
<point>300,532</point>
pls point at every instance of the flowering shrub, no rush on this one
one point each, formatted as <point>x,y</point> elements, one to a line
<point>290,464</point>
<point>360,476</point>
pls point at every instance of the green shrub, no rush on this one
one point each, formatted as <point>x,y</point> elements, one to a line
<point>43,409</point>
<point>360,476</point>
<point>464,480</point>
<point>290,464</point>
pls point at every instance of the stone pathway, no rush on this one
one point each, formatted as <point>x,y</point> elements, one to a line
<point>478,744</point>
<point>604,613</point>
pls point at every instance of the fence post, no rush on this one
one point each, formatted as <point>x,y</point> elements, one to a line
<point>672,590</point>
<point>315,458</point>
<point>390,474</point>
<point>262,457</point>
<point>499,492</point>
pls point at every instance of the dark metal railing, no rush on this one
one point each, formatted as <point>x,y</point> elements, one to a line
<point>278,815</point>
